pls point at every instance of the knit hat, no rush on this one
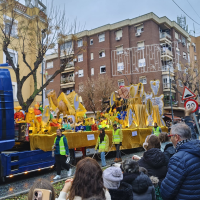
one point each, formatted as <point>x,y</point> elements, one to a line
<point>112,177</point>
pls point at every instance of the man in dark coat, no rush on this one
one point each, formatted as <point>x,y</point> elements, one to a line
<point>183,177</point>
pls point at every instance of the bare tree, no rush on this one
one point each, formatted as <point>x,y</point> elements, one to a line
<point>95,92</point>
<point>27,39</point>
<point>188,75</point>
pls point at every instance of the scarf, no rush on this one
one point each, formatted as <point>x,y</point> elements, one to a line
<point>181,143</point>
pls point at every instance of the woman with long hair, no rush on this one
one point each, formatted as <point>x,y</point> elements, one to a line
<point>87,182</point>
<point>103,144</point>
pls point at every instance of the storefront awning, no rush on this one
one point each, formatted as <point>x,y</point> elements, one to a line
<point>170,116</point>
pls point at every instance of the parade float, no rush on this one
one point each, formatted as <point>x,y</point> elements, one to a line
<point>26,139</point>
<point>131,108</point>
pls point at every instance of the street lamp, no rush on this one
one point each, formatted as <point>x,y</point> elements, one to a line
<point>43,37</point>
<point>171,96</point>
<point>125,76</point>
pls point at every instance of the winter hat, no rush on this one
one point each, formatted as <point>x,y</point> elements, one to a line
<point>112,177</point>
<point>130,166</point>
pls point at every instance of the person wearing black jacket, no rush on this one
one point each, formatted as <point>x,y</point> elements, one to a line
<point>153,158</point>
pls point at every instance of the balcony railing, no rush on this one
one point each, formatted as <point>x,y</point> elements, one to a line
<point>67,80</point>
<point>166,51</point>
<point>165,68</point>
<point>165,35</point>
<point>168,103</point>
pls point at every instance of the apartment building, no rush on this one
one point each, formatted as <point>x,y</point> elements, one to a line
<point>25,12</point>
<point>134,50</point>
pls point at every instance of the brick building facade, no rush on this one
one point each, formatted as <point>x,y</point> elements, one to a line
<point>140,50</point>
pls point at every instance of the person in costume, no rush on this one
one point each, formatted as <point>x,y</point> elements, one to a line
<point>38,116</point>
<point>18,116</point>
<point>156,130</point>
<point>103,144</point>
<point>117,138</point>
<point>66,124</point>
<point>61,153</point>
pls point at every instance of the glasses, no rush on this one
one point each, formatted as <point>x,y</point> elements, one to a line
<point>173,135</point>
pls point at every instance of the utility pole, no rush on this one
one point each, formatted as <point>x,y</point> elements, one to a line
<point>171,96</point>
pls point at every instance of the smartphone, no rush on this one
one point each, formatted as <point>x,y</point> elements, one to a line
<point>42,194</point>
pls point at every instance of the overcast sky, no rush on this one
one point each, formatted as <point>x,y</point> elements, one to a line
<point>95,13</point>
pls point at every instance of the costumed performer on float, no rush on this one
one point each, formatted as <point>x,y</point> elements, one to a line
<point>103,144</point>
<point>61,151</point>
<point>117,138</point>
<point>18,116</point>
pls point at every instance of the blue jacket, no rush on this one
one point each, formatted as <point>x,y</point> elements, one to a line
<point>189,122</point>
<point>182,181</point>
<point>57,149</point>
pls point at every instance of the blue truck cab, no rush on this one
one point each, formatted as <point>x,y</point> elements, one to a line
<point>12,162</point>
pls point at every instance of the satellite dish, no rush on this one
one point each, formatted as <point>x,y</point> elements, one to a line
<point>76,102</point>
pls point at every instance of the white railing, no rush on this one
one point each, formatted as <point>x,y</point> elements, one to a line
<point>166,68</point>
<point>165,35</point>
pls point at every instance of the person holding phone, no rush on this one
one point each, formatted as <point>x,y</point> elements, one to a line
<point>61,153</point>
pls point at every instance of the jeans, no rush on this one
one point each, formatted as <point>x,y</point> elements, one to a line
<point>118,152</point>
<point>61,162</point>
<point>103,159</point>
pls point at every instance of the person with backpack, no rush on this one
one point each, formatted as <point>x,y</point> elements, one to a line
<point>103,145</point>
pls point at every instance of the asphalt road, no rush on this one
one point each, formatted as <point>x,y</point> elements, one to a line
<point>24,182</point>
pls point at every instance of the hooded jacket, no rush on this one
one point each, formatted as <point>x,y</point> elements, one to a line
<point>183,177</point>
<point>154,161</point>
<point>124,192</point>
<point>169,151</point>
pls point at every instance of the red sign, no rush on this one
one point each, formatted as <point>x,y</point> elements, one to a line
<point>187,94</point>
<point>191,103</point>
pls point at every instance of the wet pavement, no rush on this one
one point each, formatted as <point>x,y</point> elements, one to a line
<point>22,183</point>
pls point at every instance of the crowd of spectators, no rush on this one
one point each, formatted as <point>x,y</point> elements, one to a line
<point>168,170</point>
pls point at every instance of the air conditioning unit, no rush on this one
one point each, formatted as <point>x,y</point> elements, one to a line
<point>179,40</point>
<point>183,43</point>
<point>117,38</point>
<point>138,34</point>
<point>75,60</point>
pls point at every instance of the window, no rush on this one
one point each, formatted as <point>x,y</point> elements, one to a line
<point>91,42</point>
<point>118,34</point>
<point>13,55</point>
<point>66,46</point>
<point>8,25</point>
<point>165,83</point>
<point>92,71</point>
<point>102,69</point>
<point>120,66</point>
<point>180,83</point>
<point>80,58</point>
<point>91,56</point>
<point>140,29</point>
<point>49,65</point>
<point>141,62</point>
<point>188,57</point>
<point>80,73</point>
<point>194,45</point>
<point>184,55</point>
<point>143,80</point>
<point>195,58</point>
<point>80,43</point>
<point>121,82</point>
<point>176,35</point>
<point>183,40</point>
<point>102,37</point>
<point>80,88</point>
<point>48,77</point>
<point>140,45</point>
<point>102,54</point>
<point>14,87</point>
<point>119,50</point>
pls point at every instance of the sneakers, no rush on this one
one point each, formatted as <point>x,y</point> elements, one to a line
<point>69,173</point>
<point>57,177</point>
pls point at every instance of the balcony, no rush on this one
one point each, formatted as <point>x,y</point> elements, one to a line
<point>166,87</point>
<point>167,103</point>
<point>67,82</point>
<point>165,38</point>
<point>166,68</point>
<point>166,54</point>
<point>69,52</point>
